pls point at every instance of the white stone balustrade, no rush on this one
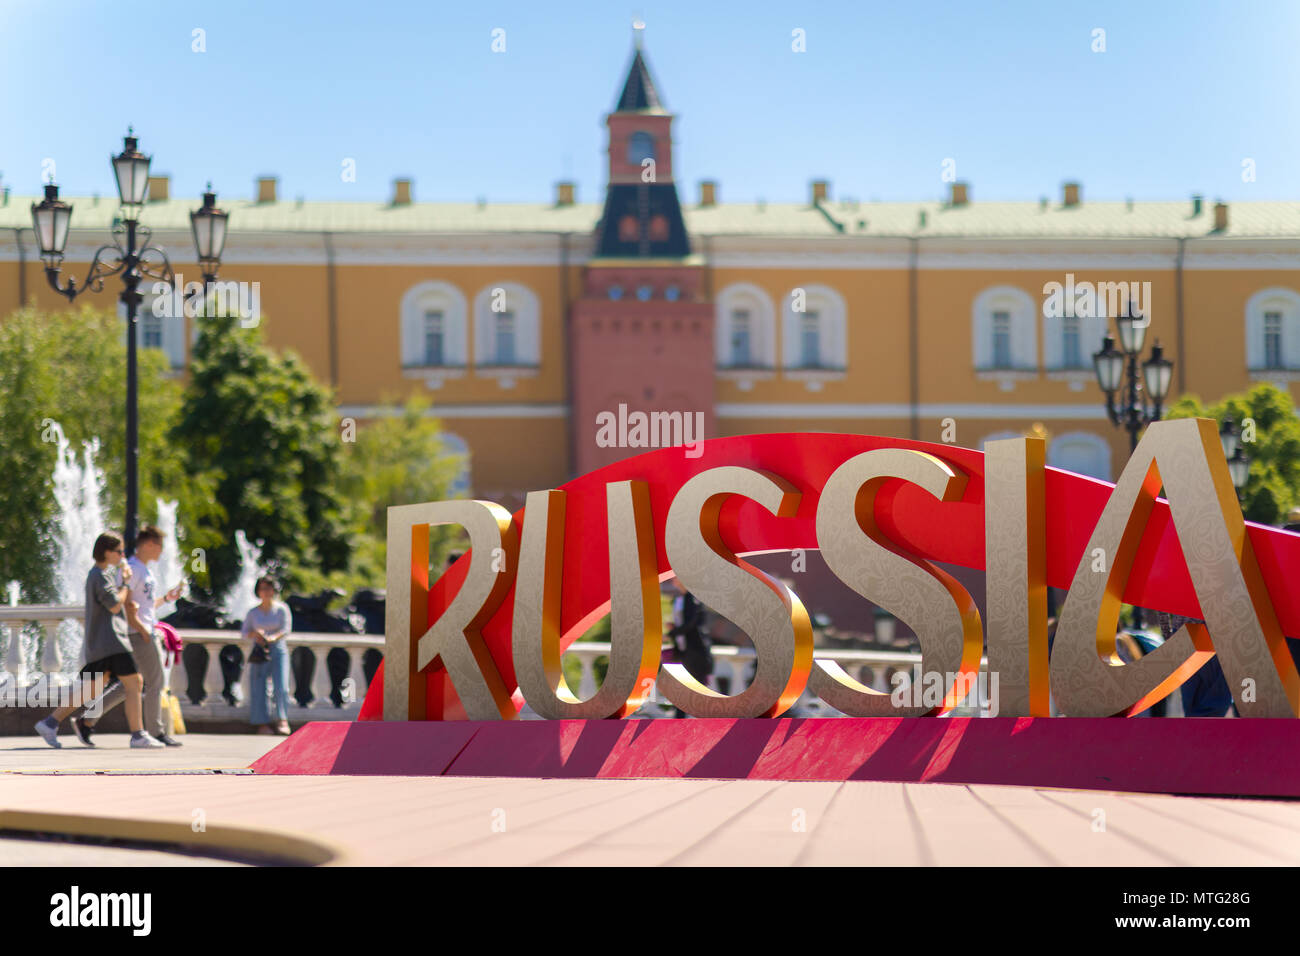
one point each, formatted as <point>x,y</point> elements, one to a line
<point>875,669</point>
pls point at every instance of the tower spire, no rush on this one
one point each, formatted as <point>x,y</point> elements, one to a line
<point>639,91</point>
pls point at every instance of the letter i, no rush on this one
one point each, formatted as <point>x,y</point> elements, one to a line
<point>1015,553</point>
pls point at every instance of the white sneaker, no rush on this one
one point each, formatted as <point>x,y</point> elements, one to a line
<point>142,739</point>
<point>49,734</point>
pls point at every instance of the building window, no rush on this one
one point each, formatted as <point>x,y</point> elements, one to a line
<point>810,340</point>
<point>1002,340</point>
<point>434,324</point>
<point>814,329</point>
<point>1273,330</point>
<point>1004,332</point>
<point>165,332</point>
<point>640,146</point>
<point>672,293</point>
<point>645,293</point>
<point>741,352</point>
<point>1082,453</point>
<point>507,326</point>
<point>433,344</point>
<point>1273,340</point>
<point>1071,357</point>
<point>744,327</point>
<point>151,332</point>
<point>628,229</point>
<point>505,354</point>
<point>658,228</point>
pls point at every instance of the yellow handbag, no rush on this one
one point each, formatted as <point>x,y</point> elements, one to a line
<point>173,704</point>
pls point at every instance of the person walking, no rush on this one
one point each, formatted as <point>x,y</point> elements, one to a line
<point>146,643</point>
<point>107,646</point>
<point>269,624</point>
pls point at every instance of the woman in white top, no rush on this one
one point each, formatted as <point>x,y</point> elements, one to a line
<point>269,625</point>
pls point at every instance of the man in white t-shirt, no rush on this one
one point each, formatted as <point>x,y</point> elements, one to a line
<point>146,643</point>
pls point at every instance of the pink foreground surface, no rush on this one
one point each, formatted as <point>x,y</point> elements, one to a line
<point>1146,755</point>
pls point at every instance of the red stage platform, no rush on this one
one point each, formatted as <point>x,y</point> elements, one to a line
<point>1151,755</point>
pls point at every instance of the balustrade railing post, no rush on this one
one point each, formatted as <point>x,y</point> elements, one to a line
<point>320,678</point>
<point>213,682</point>
<point>14,662</point>
<point>356,690</point>
<point>51,656</point>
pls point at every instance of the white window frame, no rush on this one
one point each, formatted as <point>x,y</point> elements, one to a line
<point>1092,329</point>
<point>1022,313</point>
<point>1286,302</point>
<point>1097,445</point>
<point>832,332</point>
<point>751,299</point>
<point>172,327</point>
<point>523,303</point>
<point>422,298</point>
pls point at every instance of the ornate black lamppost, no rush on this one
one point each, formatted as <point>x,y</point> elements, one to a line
<point>130,255</point>
<point>1133,401</point>
<point>1238,460</point>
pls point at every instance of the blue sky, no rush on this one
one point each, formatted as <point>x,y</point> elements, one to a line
<point>883,94</point>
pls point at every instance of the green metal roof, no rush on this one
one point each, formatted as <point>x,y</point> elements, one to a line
<point>1089,220</point>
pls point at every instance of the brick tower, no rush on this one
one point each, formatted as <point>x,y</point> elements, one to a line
<point>641,333</point>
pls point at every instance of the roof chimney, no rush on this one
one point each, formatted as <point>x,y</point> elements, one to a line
<point>564,193</point>
<point>401,192</point>
<point>958,194</point>
<point>1071,195</point>
<point>1220,217</point>
<point>821,190</point>
<point>266,188</point>
<point>1196,205</point>
<point>708,192</point>
<point>159,188</point>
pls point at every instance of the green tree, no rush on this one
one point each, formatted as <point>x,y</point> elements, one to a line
<point>1268,415</point>
<point>401,458</point>
<point>69,367</point>
<point>267,433</point>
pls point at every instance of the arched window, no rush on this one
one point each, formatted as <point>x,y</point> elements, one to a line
<point>1003,335</point>
<point>434,326</point>
<point>1273,330</point>
<point>1070,340</point>
<point>640,146</point>
<point>998,436</point>
<point>160,325</point>
<point>506,319</point>
<point>1082,453</point>
<point>745,329</point>
<point>814,321</point>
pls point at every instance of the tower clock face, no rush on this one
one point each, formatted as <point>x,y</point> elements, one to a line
<point>640,147</point>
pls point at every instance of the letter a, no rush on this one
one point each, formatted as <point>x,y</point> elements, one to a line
<point>1187,457</point>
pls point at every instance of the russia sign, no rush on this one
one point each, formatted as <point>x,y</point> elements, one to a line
<point>489,633</point>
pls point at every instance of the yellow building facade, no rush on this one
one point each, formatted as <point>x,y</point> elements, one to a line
<point>883,318</point>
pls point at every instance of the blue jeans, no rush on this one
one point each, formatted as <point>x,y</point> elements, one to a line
<point>277,668</point>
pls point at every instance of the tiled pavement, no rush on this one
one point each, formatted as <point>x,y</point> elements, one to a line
<point>452,821</point>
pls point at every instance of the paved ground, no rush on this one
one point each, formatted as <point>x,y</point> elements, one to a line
<point>441,821</point>
<point>112,752</point>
